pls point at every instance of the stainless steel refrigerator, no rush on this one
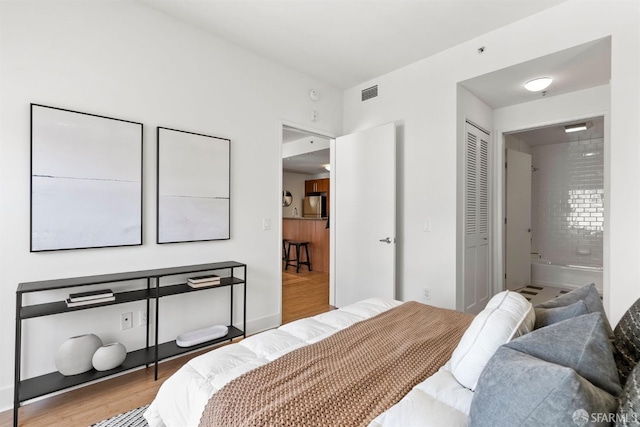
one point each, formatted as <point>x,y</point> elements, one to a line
<point>314,207</point>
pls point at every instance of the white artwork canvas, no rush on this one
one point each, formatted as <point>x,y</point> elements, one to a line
<point>86,180</point>
<point>193,187</point>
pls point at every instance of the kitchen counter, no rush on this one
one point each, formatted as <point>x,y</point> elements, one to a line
<point>314,231</point>
<point>306,219</point>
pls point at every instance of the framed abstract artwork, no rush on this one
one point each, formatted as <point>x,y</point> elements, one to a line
<point>193,187</point>
<point>86,180</point>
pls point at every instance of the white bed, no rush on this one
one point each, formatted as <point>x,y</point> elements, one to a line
<point>440,400</point>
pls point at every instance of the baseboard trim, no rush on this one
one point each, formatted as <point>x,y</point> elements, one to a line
<point>262,324</point>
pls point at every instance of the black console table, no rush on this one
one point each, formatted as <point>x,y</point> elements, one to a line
<point>30,388</point>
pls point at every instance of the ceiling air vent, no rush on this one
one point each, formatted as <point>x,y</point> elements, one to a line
<point>370,92</point>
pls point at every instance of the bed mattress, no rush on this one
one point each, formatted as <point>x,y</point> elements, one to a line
<point>182,398</point>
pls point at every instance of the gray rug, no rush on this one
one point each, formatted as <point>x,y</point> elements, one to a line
<point>132,418</point>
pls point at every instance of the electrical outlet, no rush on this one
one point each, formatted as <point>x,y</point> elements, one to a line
<point>126,321</point>
<point>426,292</point>
<point>142,318</point>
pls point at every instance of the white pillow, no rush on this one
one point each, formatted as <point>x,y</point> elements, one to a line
<point>507,315</point>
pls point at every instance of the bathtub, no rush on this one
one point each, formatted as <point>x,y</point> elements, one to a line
<point>545,272</point>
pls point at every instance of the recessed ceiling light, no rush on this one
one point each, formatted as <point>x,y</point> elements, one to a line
<point>538,84</point>
<point>327,167</point>
<point>575,128</point>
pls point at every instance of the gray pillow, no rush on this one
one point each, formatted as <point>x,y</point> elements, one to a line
<point>629,411</point>
<point>588,294</point>
<point>549,316</point>
<point>579,343</point>
<point>626,341</point>
<point>517,389</point>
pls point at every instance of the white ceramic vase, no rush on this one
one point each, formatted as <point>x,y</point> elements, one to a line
<point>75,354</point>
<point>109,356</point>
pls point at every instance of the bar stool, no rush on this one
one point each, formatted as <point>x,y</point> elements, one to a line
<point>296,262</point>
<point>284,249</point>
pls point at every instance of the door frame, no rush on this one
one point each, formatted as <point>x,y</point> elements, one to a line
<point>499,187</point>
<point>325,134</point>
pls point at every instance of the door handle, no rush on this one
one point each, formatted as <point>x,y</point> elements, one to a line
<point>387,240</point>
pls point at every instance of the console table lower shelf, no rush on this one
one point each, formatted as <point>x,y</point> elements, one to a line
<point>55,381</point>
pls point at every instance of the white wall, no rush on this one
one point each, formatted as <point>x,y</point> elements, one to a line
<point>422,99</point>
<point>122,59</point>
<point>513,143</point>
<point>294,182</point>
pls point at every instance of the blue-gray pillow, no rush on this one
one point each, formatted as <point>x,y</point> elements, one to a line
<point>587,293</point>
<point>579,343</point>
<point>629,411</point>
<point>626,341</point>
<point>549,316</point>
<point>517,389</point>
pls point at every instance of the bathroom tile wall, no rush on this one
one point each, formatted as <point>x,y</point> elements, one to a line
<point>567,201</point>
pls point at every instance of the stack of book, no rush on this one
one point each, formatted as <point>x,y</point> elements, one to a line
<point>91,297</point>
<point>203,281</point>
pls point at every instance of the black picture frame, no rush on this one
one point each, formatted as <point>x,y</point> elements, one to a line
<point>86,180</point>
<point>193,192</point>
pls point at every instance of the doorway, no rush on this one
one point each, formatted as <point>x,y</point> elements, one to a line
<point>305,173</point>
<point>560,243</point>
<point>365,163</point>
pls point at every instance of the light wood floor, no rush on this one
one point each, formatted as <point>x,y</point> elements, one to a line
<point>304,294</point>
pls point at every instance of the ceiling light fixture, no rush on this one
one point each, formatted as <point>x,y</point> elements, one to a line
<point>327,167</point>
<point>575,128</point>
<point>538,84</point>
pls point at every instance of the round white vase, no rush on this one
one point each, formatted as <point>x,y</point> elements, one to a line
<point>75,354</point>
<point>109,356</point>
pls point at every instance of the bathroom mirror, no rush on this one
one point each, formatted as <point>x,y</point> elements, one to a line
<point>287,198</point>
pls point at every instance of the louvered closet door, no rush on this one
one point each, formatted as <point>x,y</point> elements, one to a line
<point>476,220</point>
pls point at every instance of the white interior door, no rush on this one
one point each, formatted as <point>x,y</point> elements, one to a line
<point>476,220</point>
<point>364,215</point>
<point>518,220</point>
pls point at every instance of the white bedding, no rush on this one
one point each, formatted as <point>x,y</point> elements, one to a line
<point>183,397</point>
<point>440,400</point>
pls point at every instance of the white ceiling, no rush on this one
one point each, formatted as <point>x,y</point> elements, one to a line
<point>308,163</point>
<point>555,134</point>
<point>577,68</point>
<point>347,42</point>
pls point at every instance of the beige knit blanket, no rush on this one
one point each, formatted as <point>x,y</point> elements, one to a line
<point>346,379</point>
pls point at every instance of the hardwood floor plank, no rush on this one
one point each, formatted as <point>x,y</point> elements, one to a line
<point>303,294</point>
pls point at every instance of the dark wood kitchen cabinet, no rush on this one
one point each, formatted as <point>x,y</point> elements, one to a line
<point>316,186</point>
